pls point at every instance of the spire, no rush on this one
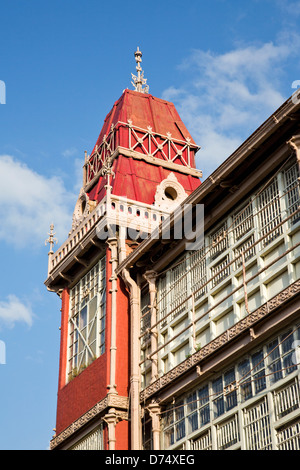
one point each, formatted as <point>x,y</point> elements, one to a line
<point>139,80</point>
<point>51,240</point>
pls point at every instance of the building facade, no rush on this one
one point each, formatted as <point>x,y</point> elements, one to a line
<point>169,344</point>
<point>141,167</point>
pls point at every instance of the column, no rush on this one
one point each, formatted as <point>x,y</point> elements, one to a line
<point>111,419</point>
<point>154,412</point>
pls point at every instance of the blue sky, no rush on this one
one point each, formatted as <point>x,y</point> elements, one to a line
<point>227,65</point>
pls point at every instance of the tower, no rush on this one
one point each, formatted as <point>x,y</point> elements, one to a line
<point>140,169</point>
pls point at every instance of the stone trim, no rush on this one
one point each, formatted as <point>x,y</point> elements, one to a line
<point>110,401</point>
<point>240,327</point>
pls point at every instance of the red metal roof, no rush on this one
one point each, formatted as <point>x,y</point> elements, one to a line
<point>145,110</point>
<point>134,178</point>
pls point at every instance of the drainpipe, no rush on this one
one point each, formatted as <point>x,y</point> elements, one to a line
<point>111,420</point>
<point>134,360</point>
<point>134,350</point>
<point>113,246</point>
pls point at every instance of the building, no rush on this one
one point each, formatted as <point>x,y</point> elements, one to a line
<point>196,346</point>
<point>142,166</point>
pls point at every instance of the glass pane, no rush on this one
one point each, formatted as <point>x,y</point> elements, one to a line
<point>217,386</point>
<point>92,308</point>
<point>274,361</point>
<point>83,317</point>
<point>192,417</point>
<point>231,398</point>
<point>245,378</point>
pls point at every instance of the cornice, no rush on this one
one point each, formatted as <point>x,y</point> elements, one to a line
<point>120,403</point>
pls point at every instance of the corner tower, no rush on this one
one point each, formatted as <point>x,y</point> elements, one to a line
<point>140,169</point>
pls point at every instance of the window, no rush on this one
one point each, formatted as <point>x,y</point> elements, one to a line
<point>198,273</point>
<point>174,423</point>
<point>93,441</point>
<point>245,379</point>
<point>281,356</point>
<point>243,222</point>
<point>192,412</point>
<point>257,427</point>
<point>87,319</point>
<point>204,411</point>
<point>259,376</point>
<point>228,400</point>
<point>292,192</point>
<point>219,242</point>
<point>269,213</point>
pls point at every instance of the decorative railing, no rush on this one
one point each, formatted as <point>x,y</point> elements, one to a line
<point>117,210</point>
<point>144,141</point>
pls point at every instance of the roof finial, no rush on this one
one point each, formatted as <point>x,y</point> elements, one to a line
<point>51,240</point>
<point>139,80</point>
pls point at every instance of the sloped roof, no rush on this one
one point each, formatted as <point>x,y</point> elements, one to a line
<point>134,178</point>
<point>145,110</point>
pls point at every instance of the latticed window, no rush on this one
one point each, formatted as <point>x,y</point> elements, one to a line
<point>287,399</point>
<point>228,433</point>
<point>248,248</point>
<point>220,271</point>
<point>280,355</point>
<point>162,300</point>
<point>269,213</point>
<point>178,280</point>
<point>198,273</point>
<point>224,402</point>
<point>292,192</point>
<point>259,375</point>
<point>288,437</point>
<point>87,319</point>
<point>243,222</point>
<point>174,424</point>
<point>251,374</point>
<point>145,315</point>
<point>219,241</point>
<point>203,442</point>
<point>204,409</point>
<point>192,412</point>
<point>93,441</point>
<point>257,426</point>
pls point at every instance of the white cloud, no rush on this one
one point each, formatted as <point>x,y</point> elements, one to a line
<point>227,96</point>
<point>29,203</point>
<point>13,310</point>
<point>70,152</point>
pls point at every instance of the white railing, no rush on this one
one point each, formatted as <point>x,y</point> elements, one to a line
<point>118,210</point>
<point>77,235</point>
<point>289,437</point>
<point>204,442</point>
<point>287,399</point>
<point>228,433</point>
<point>144,141</point>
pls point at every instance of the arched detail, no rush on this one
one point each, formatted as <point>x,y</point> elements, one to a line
<point>81,209</point>
<point>169,193</point>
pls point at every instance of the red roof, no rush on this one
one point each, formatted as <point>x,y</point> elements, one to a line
<point>145,110</point>
<point>135,178</point>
